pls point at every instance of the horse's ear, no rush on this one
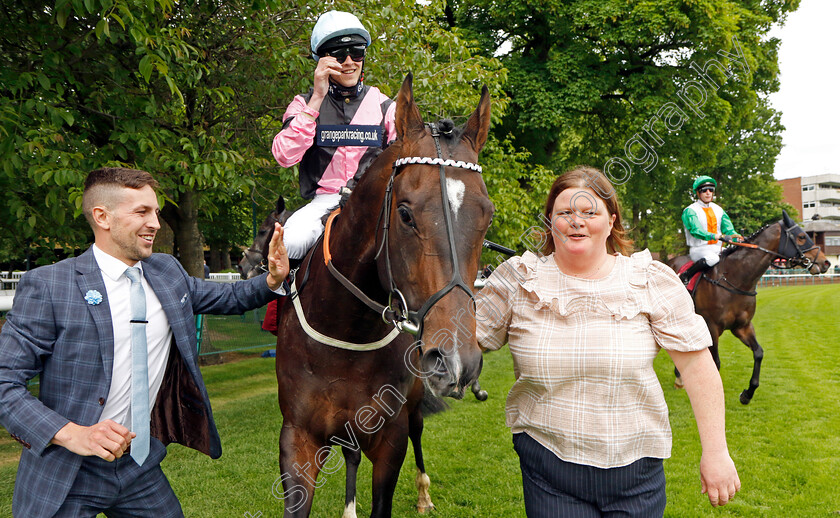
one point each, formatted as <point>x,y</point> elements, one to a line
<point>478,125</point>
<point>788,222</point>
<point>280,206</point>
<point>408,118</point>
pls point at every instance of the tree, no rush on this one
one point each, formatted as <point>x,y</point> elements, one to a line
<point>94,83</point>
<point>190,91</point>
<point>653,92</point>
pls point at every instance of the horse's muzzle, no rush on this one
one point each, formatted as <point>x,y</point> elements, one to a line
<point>819,267</point>
<point>446,375</point>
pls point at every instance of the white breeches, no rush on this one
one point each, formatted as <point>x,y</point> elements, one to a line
<point>710,252</point>
<point>304,227</point>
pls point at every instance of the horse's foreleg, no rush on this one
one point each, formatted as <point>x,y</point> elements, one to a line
<point>296,485</point>
<point>387,459</point>
<point>479,394</point>
<point>352,459</point>
<point>747,335</point>
<point>678,382</point>
<point>415,432</point>
<point>715,350</point>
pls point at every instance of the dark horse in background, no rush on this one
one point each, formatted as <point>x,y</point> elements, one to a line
<point>725,294</point>
<point>407,243</point>
<point>253,259</point>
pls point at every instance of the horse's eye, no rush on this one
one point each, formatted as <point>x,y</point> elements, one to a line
<point>405,216</point>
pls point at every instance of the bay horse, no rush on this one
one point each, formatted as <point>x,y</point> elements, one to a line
<point>253,263</point>
<point>725,294</point>
<point>404,244</point>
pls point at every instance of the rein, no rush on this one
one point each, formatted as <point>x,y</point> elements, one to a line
<point>786,241</point>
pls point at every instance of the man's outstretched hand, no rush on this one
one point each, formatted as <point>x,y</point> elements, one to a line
<point>278,259</point>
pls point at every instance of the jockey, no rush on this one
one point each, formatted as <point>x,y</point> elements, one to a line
<point>328,129</point>
<point>706,224</point>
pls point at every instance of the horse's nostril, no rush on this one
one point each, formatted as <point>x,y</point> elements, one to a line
<point>433,364</point>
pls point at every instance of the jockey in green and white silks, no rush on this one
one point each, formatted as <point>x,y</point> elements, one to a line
<point>706,223</point>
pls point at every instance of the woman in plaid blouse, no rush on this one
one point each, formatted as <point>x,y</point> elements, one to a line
<point>584,321</point>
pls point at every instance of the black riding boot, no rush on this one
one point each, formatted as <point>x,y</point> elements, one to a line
<point>700,265</point>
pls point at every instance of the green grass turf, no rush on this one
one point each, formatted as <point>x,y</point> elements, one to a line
<point>232,332</point>
<point>786,443</point>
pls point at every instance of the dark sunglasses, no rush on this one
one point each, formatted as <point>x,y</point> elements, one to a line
<point>707,189</point>
<point>356,53</point>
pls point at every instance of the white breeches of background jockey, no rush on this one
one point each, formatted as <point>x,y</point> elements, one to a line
<point>304,227</point>
<point>710,252</point>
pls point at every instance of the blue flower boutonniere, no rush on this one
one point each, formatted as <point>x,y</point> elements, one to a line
<point>93,297</point>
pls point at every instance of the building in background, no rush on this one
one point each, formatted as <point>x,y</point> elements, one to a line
<point>817,198</point>
<point>814,195</point>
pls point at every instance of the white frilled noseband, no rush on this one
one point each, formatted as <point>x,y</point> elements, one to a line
<point>437,161</point>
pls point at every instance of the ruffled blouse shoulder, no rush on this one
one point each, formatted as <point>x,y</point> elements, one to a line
<point>624,293</point>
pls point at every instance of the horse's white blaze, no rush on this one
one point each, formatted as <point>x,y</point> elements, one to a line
<point>350,510</point>
<point>455,189</point>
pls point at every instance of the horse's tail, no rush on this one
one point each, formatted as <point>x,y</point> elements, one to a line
<point>431,404</point>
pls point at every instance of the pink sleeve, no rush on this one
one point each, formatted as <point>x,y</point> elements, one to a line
<point>292,142</point>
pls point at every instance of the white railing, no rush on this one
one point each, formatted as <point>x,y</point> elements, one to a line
<point>225,277</point>
<point>8,284</point>
<point>771,280</point>
<point>766,281</point>
<point>6,299</point>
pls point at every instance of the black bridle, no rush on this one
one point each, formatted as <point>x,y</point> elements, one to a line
<point>788,241</point>
<point>397,312</point>
<point>788,249</point>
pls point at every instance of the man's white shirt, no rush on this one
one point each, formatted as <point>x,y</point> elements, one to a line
<point>158,338</point>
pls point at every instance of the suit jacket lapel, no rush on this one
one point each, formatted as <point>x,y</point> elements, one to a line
<point>90,278</point>
<point>170,300</point>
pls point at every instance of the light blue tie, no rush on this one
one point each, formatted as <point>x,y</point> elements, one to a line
<point>139,369</point>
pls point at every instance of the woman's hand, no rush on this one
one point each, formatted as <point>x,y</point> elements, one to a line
<point>718,478</point>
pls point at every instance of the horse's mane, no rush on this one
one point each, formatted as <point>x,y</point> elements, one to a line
<point>749,239</point>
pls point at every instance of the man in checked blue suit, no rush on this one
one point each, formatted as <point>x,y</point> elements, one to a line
<point>116,350</point>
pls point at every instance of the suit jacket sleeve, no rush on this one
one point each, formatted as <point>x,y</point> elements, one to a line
<point>235,298</point>
<point>27,339</point>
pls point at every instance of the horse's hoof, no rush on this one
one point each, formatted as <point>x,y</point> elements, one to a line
<point>425,508</point>
<point>678,384</point>
<point>481,395</point>
<point>745,398</point>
